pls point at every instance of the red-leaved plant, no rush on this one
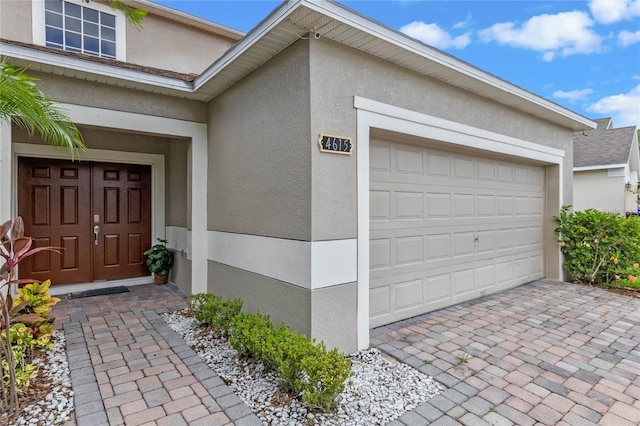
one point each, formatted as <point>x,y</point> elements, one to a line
<point>14,248</point>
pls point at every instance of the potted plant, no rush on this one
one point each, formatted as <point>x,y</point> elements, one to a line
<point>159,261</point>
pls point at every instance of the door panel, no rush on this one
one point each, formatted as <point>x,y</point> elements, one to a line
<point>122,204</point>
<point>54,202</point>
<point>61,202</point>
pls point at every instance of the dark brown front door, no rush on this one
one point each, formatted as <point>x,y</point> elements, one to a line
<point>100,213</point>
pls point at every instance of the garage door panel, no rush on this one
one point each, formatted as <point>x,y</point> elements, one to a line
<point>379,302</point>
<point>408,205</point>
<point>464,282</point>
<point>409,250</point>
<point>408,295</point>
<point>463,244</point>
<point>463,169</point>
<point>379,253</point>
<point>380,205</point>
<point>447,227</point>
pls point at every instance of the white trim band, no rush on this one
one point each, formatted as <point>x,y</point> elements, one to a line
<point>307,264</point>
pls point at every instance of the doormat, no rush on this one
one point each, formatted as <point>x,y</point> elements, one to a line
<point>98,292</point>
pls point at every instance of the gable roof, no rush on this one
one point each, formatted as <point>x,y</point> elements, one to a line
<point>605,147</point>
<point>295,19</point>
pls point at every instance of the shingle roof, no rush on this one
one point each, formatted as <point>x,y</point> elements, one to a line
<point>107,61</point>
<point>602,146</point>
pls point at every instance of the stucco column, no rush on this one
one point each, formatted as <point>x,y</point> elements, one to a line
<point>199,246</point>
<point>5,171</point>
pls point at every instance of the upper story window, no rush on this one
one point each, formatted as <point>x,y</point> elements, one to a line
<point>78,28</point>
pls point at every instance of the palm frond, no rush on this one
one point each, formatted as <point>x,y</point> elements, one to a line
<point>23,103</point>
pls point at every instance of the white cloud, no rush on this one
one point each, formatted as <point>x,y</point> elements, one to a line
<point>627,38</point>
<point>435,36</point>
<point>564,34</point>
<point>610,11</point>
<point>573,95</point>
<point>624,108</point>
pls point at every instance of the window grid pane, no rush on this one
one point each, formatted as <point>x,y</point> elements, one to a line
<point>69,26</point>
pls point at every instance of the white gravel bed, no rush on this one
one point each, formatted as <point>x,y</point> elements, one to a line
<point>377,392</point>
<point>57,406</point>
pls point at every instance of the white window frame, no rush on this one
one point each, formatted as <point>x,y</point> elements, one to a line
<point>38,27</point>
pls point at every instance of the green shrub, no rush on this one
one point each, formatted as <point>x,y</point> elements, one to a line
<point>327,374</point>
<point>253,335</point>
<point>211,310</point>
<point>599,248</point>
<point>305,367</point>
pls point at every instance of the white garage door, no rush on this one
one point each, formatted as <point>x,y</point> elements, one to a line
<point>447,227</point>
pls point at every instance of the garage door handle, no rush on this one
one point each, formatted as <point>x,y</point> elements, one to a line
<point>96,233</point>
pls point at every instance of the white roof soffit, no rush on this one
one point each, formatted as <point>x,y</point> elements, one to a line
<point>296,18</point>
<point>53,63</point>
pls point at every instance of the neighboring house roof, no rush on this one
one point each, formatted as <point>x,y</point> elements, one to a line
<point>292,20</point>
<point>605,147</point>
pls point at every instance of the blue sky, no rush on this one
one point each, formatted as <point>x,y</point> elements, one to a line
<point>583,55</point>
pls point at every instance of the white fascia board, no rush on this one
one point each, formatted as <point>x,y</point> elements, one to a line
<point>336,11</point>
<point>599,167</point>
<point>456,133</point>
<point>52,59</point>
<point>277,16</point>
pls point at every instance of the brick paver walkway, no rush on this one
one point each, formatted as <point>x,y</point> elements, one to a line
<point>128,367</point>
<point>548,353</point>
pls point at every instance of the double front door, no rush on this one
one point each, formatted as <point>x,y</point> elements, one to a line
<point>99,213</point>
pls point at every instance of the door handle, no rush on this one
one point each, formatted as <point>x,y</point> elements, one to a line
<point>96,233</point>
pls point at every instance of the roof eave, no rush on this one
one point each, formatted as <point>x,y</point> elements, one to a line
<point>51,62</point>
<point>599,167</point>
<point>492,86</point>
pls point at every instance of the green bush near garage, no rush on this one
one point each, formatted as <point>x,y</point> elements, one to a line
<point>600,248</point>
<point>306,368</point>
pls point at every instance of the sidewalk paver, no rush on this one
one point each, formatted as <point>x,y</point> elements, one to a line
<point>544,353</point>
<point>128,367</point>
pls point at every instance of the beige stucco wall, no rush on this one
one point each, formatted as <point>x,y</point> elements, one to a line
<point>15,20</point>
<point>354,73</point>
<point>594,189</point>
<point>181,272</point>
<point>176,168</point>
<point>81,92</point>
<point>184,49</point>
<point>259,178</point>
<point>283,302</point>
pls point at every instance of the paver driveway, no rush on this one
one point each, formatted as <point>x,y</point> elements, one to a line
<point>547,353</point>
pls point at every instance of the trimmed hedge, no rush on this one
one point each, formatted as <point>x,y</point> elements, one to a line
<point>211,310</point>
<point>305,367</point>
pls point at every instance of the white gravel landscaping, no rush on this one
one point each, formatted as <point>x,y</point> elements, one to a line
<point>56,407</point>
<point>377,392</point>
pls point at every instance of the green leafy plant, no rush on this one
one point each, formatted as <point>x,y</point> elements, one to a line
<point>14,248</point>
<point>160,258</point>
<point>36,299</point>
<point>462,358</point>
<point>600,248</point>
<point>305,367</point>
<point>211,310</point>
<point>253,335</point>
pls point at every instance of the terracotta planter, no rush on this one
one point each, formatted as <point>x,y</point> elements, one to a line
<point>161,278</point>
